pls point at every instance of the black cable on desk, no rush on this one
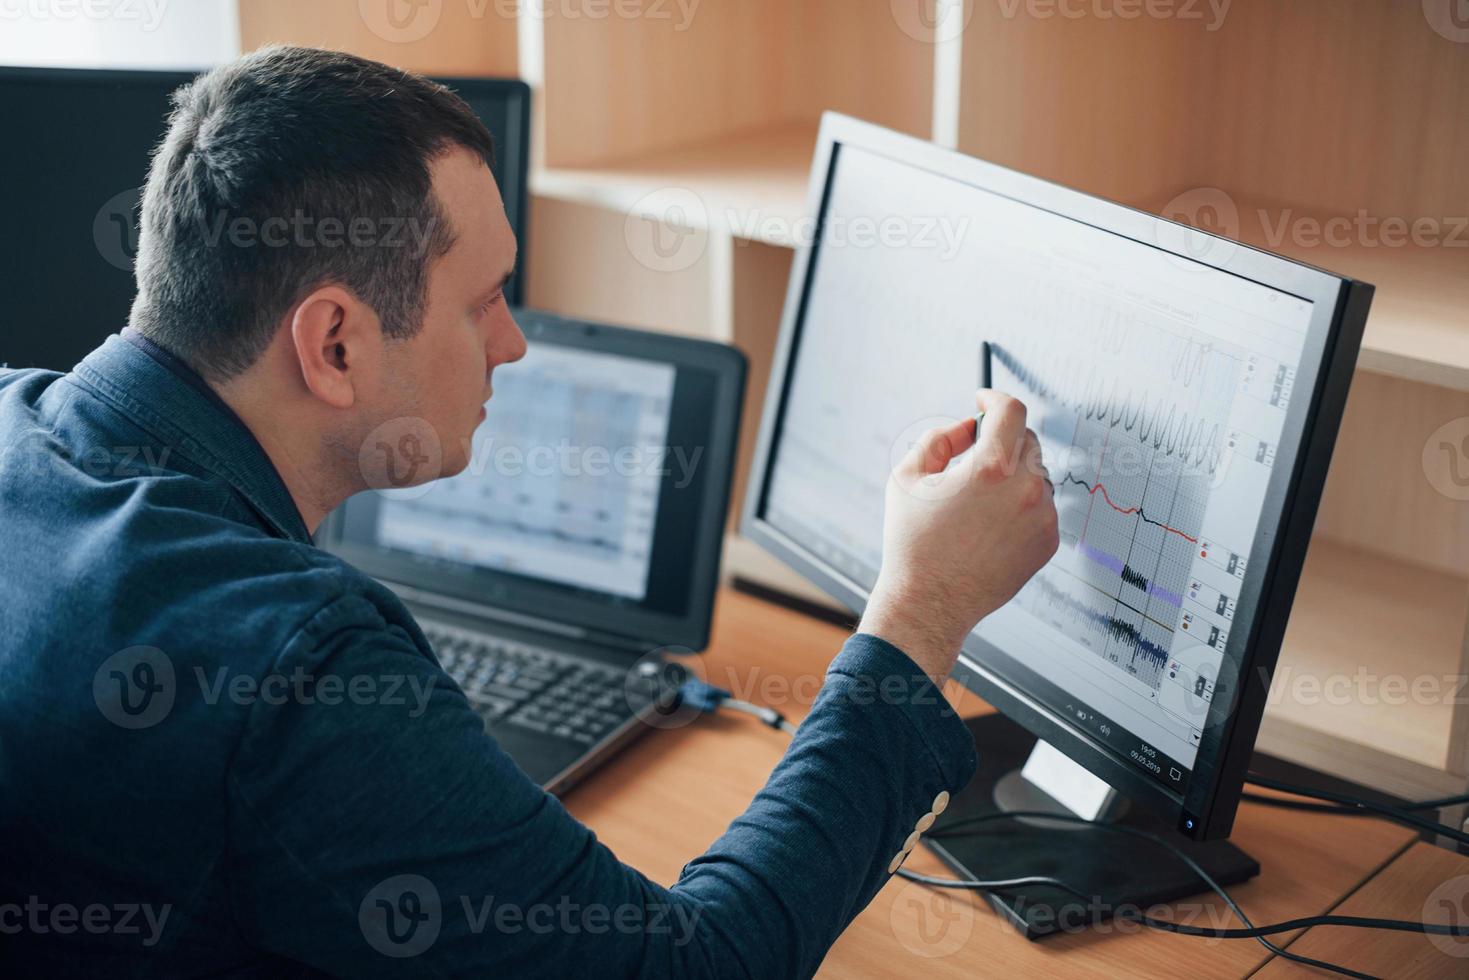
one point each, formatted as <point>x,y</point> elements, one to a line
<point>1354,806</point>
<point>709,699</point>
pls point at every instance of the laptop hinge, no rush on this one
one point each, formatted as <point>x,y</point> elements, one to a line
<point>482,611</point>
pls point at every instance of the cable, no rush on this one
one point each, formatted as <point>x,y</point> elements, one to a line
<point>1250,931</point>
<point>1348,811</point>
<point>1399,814</point>
<point>769,716</point>
<point>707,698</point>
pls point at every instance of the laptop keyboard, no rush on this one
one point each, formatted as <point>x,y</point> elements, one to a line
<point>531,687</point>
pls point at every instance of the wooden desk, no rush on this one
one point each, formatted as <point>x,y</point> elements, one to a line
<point>1425,881</point>
<point>671,794</point>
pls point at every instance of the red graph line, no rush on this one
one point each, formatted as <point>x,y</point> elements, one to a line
<point>1127,511</point>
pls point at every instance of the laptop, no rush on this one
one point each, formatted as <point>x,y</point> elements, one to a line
<point>562,574</point>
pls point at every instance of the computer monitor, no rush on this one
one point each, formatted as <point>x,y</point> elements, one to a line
<point>1187,391</point>
<point>78,143</point>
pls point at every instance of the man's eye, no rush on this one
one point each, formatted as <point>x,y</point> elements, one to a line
<point>491,302</point>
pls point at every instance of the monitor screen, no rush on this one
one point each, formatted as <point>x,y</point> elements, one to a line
<point>1171,397</point>
<point>70,188</point>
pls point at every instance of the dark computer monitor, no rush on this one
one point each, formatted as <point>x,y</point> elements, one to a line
<point>77,149</point>
<point>1187,391</point>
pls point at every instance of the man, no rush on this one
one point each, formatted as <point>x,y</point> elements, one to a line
<point>158,504</point>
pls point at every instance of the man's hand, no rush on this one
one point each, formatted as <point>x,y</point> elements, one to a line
<point>958,543</point>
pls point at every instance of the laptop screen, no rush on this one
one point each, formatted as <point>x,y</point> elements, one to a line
<point>595,494</point>
<point>564,480</point>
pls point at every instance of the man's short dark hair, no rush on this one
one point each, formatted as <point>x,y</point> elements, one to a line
<point>283,171</point>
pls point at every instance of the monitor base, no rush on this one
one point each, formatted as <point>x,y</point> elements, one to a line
<point>1117,872</point>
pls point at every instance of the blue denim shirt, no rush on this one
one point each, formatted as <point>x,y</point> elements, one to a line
<point>224,751</point>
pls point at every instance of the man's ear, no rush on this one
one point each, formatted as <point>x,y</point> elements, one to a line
<point>338,342</point>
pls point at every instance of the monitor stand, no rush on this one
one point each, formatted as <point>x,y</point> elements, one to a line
<point>1118,873</point>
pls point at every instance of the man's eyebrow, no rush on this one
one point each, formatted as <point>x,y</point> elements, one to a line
<point>488,294</point>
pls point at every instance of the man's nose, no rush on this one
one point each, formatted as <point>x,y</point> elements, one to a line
<point>516,346</point>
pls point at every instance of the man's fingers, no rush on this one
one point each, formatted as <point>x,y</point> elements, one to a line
<point>1004,422</point>
<point>936,448</point>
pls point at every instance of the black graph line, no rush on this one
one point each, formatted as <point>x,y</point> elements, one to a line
<point>1168,429</point>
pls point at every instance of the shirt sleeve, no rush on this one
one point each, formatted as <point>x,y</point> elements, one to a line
<point>383,832</point>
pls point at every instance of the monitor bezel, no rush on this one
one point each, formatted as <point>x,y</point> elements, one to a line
<point>512,147</point>
<point>629,625</point>
<point>1206,807</point>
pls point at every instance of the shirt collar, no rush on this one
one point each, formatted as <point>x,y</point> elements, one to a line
<point>161,393</point>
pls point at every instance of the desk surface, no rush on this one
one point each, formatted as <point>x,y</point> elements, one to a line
<point>664,800</point>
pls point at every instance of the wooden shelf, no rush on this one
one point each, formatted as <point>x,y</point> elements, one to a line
<point>1357,611</point>
<point>1419,325</point>
<point>753,185</point>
